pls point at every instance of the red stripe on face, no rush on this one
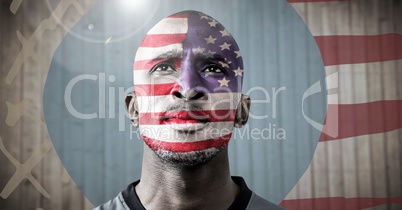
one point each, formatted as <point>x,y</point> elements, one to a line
<point>178,16</point>
<point>149,64</point>
<point>187,146</point>
<point>183,117</point>
<point>156,89</point>
<point>159,40</point>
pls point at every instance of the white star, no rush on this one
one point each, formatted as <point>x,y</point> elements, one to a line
<point>224,64</point>
<point>238,72</point>
<point>199,50</point>
<point>229,62</point>
<point>224,33</point>
<point>210,40</point>
<point>238,55</point>
<point>204,17</point>
<point>212,23</point>
<point>209,54</point>
<point>225,46</point>
<point>224,82</point>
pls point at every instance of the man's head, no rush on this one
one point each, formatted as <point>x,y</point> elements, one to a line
<point>188,75</point>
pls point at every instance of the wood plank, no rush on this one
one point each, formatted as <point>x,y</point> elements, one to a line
<point>31,74</point>
<point>358,74</point>
<point>52,168</point>
<point>10,135</point>
<point>358,148</point>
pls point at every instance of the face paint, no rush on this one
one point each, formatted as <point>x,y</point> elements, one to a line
<point>187,79</point>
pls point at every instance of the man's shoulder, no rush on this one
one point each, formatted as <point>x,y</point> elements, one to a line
<point>256,202</point>
<point>248,200</point>
<point>125,200</point>
<point>116,203</point>
<point>128,199</point>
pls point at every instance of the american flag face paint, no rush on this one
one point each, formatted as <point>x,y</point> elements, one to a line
<point>187,78</point>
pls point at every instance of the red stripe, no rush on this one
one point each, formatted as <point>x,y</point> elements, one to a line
<point>178,16</point>
<point>337,50</point>
<point>159,40</point>
<point>363,119</point>
<point>156,89</point>
<point>301,1</point>
<point>213,116</point>
<point>187,146</point>
<point>149,64</point>
<point>338,203</point>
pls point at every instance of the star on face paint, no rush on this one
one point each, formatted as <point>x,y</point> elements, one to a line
<point>209,54</point>
<point>224,33</point>
<point>199,50</point>
<point>238,72</point>
<point>210,40</point>
<point>204,17</point>
<point>228,62</point>
<point>212,23</point>
<point>225,46</point>
<point>224,64</point>
<point>238,55</point>
<point>224,82</point>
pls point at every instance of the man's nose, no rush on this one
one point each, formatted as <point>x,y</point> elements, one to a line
<point>189,95</point>
<point>191,84</point>
<point>190,87</point>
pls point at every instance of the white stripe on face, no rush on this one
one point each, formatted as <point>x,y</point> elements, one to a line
<point>169,133</point>
<point>150,53</point>
<point>170,26</point>
<point>214,101</point>
<point>143,77</point>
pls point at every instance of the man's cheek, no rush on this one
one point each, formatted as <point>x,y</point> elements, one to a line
<point>156,89</point>
<point>224,101</point>
<point>151,108</point>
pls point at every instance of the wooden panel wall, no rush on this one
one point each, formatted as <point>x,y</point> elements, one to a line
<point>361,46</point>
<point>30,33</point>
<point>361,43</point>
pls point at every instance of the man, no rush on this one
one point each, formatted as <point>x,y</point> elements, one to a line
<point>187,79</point>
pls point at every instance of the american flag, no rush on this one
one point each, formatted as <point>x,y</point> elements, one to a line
<point>180,40</point>
<point>360,167</point>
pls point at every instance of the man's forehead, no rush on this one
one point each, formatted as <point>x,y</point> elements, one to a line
<point>180,24</point>
<point>199,29</point>
<point>198,38</point>
<point>160,53</point>
<point>188,30</point>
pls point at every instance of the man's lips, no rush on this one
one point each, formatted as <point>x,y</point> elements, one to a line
<point>186,120</point>
<point>185,117</point>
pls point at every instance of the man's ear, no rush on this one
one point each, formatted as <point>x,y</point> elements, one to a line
<point>243,109</point>
<point>132,108</point>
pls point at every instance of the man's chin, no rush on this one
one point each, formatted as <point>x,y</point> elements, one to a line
<point>188,159</point>
<point>187,146</point>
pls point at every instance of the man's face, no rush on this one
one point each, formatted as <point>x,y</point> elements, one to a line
<point>187,79</point>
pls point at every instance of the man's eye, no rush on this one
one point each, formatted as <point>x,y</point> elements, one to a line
<point>212,70</point>
<point>162,69</point>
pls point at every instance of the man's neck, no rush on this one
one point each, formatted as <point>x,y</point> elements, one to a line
<point>167,186</point>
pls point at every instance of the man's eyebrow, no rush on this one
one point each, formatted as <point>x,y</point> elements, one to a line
<point>216,58</point>
<point>169,55</point>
